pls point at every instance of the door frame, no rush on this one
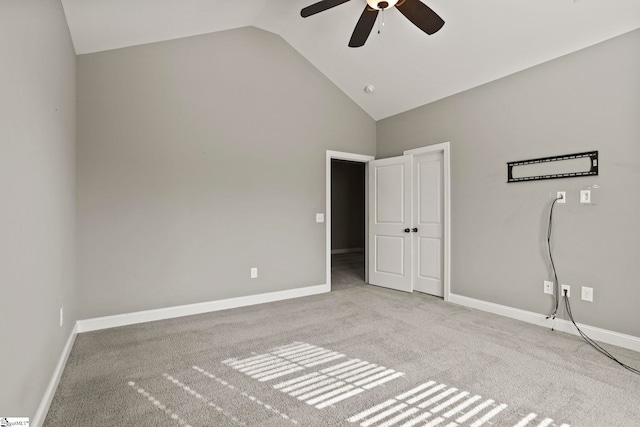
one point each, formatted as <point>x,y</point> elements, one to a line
<point>445,148</point>
<point>360,158</point>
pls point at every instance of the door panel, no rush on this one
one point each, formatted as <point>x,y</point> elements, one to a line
<point>429,210</point>
<point>390,255</point>
<point>389,194</point>
<point>429,259</point>
<point>390,210</point>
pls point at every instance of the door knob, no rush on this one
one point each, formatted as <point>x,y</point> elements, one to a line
<point>407,230</point>
<point>415,230</point>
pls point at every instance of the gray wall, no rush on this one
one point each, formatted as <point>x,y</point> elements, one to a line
<point>37,194</point>
<point>198,159</point>
<point>589,100</point>
<point>347,205</point>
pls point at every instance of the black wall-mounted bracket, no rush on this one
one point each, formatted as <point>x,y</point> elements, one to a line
<point>593,169</point>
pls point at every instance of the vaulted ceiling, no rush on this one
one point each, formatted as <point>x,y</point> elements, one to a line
<point>482,40</point>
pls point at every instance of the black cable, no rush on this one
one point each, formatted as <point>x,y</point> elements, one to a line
<point>553,315</point>
<point>594,344</point>
<point>556,285</point>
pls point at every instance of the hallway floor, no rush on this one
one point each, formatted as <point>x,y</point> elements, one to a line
<point>347,269</point>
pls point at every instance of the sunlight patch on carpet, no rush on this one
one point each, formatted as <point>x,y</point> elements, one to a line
<point>203,399</point>
<point>321,388</point>
<point>429,404</point>
<point>159,405</point>
<point>246,395</point>
<point>426,403</point>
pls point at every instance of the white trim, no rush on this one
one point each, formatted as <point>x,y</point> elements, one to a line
<point>445,147</point>
<point>198,308</point>
<point>43,408</point>
<point>610,337</point>
<point>347,251</point>
<point>362,158</point>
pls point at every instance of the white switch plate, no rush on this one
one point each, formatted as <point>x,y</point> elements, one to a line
<point>319,217</point>
<point>254,272</point>
<point>587,294</point>
<point>562,195</point>
<point>568,288</point>
<point>548,287</point>
<point>585,196</point>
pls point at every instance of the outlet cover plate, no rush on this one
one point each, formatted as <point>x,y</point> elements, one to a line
<point>587,294</point>
<point>562,195</point>
<point>254,272</point>
<point>548,287</point>
<point>585,197</point>
<point>568,288</point>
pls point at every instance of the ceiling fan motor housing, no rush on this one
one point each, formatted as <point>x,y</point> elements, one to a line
<point>381,5</point>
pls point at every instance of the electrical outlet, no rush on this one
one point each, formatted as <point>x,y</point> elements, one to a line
<point>254,272</point>
<point>566,288</point>
<point>562,196</point>
<point>548,287</point>
<point>61,315</point>
<point>319,217</point>
<point>587,294</point>
<point>585,196</point>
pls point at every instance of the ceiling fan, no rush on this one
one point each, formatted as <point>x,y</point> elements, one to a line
<point>414,10</point>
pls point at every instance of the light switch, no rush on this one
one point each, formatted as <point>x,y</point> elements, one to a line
<point>319,217</point>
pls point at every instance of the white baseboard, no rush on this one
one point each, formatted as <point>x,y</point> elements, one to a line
<point>41,413</point>
<point>347,251</point>
<point>199,308</point>
<point>610,337</point>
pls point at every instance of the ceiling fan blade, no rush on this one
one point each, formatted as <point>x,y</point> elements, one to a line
<point>363,27</point>
<point>321,6</point>
<point>421,15</point>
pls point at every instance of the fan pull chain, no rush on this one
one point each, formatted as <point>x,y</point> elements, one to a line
<point>381,21</point>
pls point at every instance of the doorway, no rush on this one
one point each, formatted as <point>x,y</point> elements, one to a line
<point>346,216</point>
<point>445,263</point>
<point>347,222</point>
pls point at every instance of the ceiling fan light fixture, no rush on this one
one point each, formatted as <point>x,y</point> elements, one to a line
<point>381,4</point>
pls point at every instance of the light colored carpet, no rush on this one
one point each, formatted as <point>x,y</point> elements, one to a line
<point>358,356</point>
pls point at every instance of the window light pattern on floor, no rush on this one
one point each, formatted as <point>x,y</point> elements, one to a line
<point>321,388</point>
<point>431,404</point>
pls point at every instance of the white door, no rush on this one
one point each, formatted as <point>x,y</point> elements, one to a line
<point>390,214</point>
<point>428,213</point>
